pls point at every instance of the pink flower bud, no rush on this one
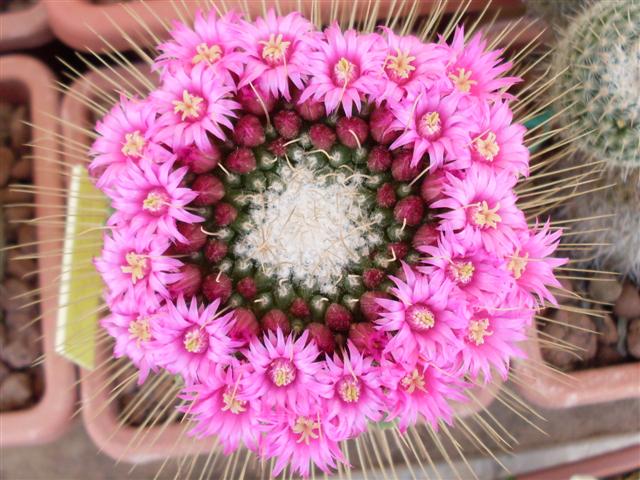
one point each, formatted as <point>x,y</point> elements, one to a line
<point>401,168</point>
<point>287,123</point>
<point>277,147</point>
<point>299,308</point>
<point>199,161</point>
<point>399,249</point>
<point>322,136</point>
<point>251,103</point>
<point>196,238</point>
<point>323,337</point>
<point>380,121</point>
<point>425,235</point>
<point>217,285</point>
<point>224,214</point>
<point>431,188</point>
<point>310,110</point>
<point>189,282</point>
<point>350,128</point>
<point>247,288</point>
<point>215,250</point>
<point>338,318</point>
<point>248,131</point>
<point>372,277</point>
<point>241,161</point>
<point>409,209</point>
<point>274,319</point>
<point>367,339</point>
<point>379,159</point>
<point>209,188</point>
<point>386,195</point>
<point>369,306</point>
<point>245,327</point>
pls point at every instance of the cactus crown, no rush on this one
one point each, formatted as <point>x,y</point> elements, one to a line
<point>598,66</point>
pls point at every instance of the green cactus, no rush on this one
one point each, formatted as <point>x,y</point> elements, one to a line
<point>597,100</point>
<point>555,12</point>
<point>597,62</point>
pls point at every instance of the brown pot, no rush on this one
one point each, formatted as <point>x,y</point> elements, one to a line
<point>607,464</point>
<point>80,23</point>
<point>24,28</point>
<point>584,387</point>
<point>25,79</point>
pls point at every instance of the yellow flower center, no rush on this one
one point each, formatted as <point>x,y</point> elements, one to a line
<point>422,318</point>
<point>400,65</point>
<point>274,49</point>
<point>140,330</point>
<point>189,106</point>
<point>155,202</point>
<point>282,373</point>
<point>462,271</point>
<point>207,54</point>
<point>349,390</point>
<point>194,341</point>
<point>413,381</point>
<point>344,71</point>
<point>487,147</point>
<point>518,264</point>
<point>232,403</point>
<point>430,123</point>
<point>483,216</point>
<point>136,266</point>
<point>462,80</point>
<point>478,329</point>
<point>133,144</point>
<point>306,429</point>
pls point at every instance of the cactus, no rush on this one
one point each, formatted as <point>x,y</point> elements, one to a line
<point>597,62</point>
<point>597,101</point>
<point>555,12</point>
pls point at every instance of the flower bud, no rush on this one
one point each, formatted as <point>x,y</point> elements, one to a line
<point>215,250</point>
<point>410,209</point>
<point>380,121</point>
<point>241,161</point>
<point>372,277</point>
<point>224,214</point>
<point>199,161</point>
<point>189,282</point>
<point>217,285</point>
<point>322,336</point>
<point>248,131</point>
<point>247,288</point>
<point>275,319</point>
<point>251,103</point>
<point>348,129</point>
<point>369,306</point>
<point>196,238</point>
<point>322,136</point>
<point>367,339</point>
<point>379,159</point>
<point>338,318</point>
<point>425,235</point>
<point>245,327</point>
<point>401,168</point>
<point>299,308</point>
<point>386,195</point>
<point>287,123</point>
<point>209,188</point>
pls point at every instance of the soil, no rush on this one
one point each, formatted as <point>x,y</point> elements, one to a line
<point>21,384</point>
<point>610,336</point>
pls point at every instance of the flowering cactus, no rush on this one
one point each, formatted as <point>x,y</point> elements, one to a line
<point>318,230</point>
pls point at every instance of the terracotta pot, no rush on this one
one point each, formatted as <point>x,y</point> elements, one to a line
<point>25,28</point>
<point>79,23</point>
<point>607,464</point>
<point>25,79</point>
<point>583,387</point>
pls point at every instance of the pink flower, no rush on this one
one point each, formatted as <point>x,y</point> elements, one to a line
<point>482,209</point>
<point>130,325</point>
<point>499,144</point>
<point>410,66</point>
<point>424,317</point>
<point>134,266</point>
<point>475,72</point>
<point>490,339</point>
<point>149,198</point>
<point>300,439</point>
<point>345,68</point>
<point>423,390</point>
<point>125,135</point>
<point>191,340</point>
<point>433,124</point>
<point>278,51</point>
<point>530,264</point>
<point>472,271</point>
<point>286,375</point>
<point>217,409</point>
<point>192,104</point>
<point>356,393</point>
<point>212,42</point>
